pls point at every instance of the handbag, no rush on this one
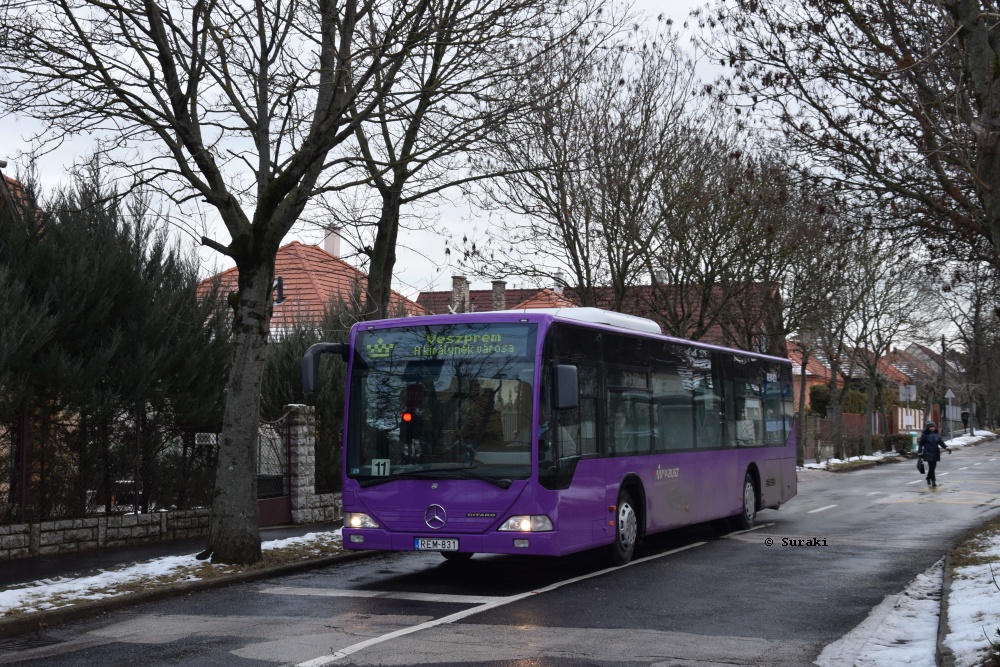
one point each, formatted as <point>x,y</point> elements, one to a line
<point>920,466</point>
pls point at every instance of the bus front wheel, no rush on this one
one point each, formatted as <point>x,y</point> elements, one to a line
<point>626,529</point>
<point>745,519</point>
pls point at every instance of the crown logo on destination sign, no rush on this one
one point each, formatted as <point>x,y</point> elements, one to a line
<point>380,349</point>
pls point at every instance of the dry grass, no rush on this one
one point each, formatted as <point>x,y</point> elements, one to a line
<point>968,551</point>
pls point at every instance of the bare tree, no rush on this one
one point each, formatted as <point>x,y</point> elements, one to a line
<point>969,299</point>
<point>456,90</point>
<point>239,104</point>
<point>734,222</point>
<point>584,165</point>
<point>896,102</point>
<point>893,306</point>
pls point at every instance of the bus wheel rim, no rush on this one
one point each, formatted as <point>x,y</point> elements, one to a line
<point>628,526</point>
<point>749,501</point>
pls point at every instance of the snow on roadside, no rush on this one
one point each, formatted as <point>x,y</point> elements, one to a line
<point>902,630</point>
<point>63,591</point>
<point>957,441</point>
<point>974,607</point>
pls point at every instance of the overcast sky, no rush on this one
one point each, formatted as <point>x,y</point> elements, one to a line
<point>420,256</point>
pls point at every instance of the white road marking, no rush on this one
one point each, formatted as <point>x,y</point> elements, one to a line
<point>392,595</point>
<point>916,481</point>
<point>979,464</point>
<point>354,648</point>
<point>965,468</point>
<point>942,474</point>
<point>876,493</point>
<point>740,532</point>
<point>821,509</point>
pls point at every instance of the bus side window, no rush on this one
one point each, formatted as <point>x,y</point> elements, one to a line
<point>588,410</point>
<point>673,418</point>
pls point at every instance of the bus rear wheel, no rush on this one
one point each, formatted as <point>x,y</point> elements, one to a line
<point>626,529</point>
<point>457,556</point>
<point>745,519</point>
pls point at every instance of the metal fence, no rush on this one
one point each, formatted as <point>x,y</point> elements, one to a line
<point>61,466</point>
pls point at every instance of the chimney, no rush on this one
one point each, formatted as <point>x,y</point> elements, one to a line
<point>459,295</point>
<point>499,300</point>
<point>557,287</point>
<point>332,242</point>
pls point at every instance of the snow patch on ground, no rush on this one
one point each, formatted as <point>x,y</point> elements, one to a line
<point>902,630</point>
<point>974,610</point>
<point>63,591</point>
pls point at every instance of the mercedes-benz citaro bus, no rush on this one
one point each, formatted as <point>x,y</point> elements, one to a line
<point>552,431</point>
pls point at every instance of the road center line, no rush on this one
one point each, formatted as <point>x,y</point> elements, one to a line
<point>458,616</point>
<point>820,509</point>
<point>392,595</point>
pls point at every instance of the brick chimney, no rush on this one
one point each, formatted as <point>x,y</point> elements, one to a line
<point>332,242</point>
<point>459,295</point>
<point>499,297</point>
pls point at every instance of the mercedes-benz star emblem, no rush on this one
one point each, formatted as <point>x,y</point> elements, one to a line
<point>435,517</point>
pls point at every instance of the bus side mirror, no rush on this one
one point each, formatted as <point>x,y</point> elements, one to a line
<point>310,362</point>
<point>567,386</point>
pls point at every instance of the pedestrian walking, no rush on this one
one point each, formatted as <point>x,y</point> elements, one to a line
<point>965,421</point>
<point>929,448</point>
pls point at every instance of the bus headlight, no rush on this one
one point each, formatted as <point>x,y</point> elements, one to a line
<point>359,520</point>
<point>535,523</point>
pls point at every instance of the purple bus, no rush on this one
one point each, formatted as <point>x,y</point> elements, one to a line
<point>548,432</point>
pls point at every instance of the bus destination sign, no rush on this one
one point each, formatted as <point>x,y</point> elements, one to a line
<point>447,342</point>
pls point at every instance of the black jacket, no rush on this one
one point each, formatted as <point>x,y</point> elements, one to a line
<point>930,445</point>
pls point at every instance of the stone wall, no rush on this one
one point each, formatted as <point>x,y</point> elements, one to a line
<point>23,540</point>
<point>307,505</point>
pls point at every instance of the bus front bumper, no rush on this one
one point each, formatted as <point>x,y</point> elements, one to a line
<point>537,544</point>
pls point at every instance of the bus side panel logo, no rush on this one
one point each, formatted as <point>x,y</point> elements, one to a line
<point>667,473</point>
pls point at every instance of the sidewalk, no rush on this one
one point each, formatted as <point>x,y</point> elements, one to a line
<point>44,591</point>
<point>27,570</point>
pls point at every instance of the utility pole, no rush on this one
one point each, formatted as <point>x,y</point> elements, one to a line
<point>944,379</point>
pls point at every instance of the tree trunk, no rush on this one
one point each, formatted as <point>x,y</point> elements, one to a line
<point>383,258</point>
<point>869,413</point>
<point>800,432</point>
<point>234,531</point>
<point>835,413</point>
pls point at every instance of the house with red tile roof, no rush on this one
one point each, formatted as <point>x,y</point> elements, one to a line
<point>641,300</point>
<point>816,373</point>
<point>308,279</point>
<point>12,195</point>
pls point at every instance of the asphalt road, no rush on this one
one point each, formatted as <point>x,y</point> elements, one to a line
<point>690,598</point>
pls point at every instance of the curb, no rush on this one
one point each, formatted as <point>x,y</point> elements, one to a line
<point>847,466</point>
<point>943,656</point>
<point>11,626</point>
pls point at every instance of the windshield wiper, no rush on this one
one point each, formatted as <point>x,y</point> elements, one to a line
<point>445,472</point>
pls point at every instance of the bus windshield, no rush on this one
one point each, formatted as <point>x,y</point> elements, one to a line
<point>442,402</point>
